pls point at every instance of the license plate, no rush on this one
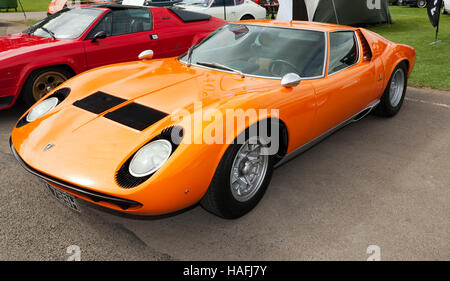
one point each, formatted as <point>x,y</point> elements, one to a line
<point>65,198</point>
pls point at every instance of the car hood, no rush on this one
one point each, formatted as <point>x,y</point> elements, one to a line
<point>91,145</point>
<point>19,43</point>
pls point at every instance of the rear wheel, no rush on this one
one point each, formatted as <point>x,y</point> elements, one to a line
<point>421,3</point>
<point>240,181</point>
<point>42,81</point>
<point>393,96</point>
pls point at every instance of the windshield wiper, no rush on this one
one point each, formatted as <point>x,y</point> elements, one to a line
<point>221,66</point>
<point>52,34</point>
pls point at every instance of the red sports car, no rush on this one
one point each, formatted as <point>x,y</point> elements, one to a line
<point>74,40</point>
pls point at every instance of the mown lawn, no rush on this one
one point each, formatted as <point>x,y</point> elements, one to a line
<point>32,6</point>
<point>411,26</point>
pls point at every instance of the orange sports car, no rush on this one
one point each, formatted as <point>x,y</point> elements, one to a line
<point>155,136</point>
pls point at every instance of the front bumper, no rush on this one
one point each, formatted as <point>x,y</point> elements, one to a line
<point>95,197</point>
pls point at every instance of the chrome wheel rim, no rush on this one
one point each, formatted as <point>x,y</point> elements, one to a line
<point>46,82</point>
<point>248,170</point>
<point>397,87</point>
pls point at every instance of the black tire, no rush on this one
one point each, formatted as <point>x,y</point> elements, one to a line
<point>247,17</point>
<point>219,199</point>
<point>421,3</point>
<point>385,108</point>
<point>27,90</point>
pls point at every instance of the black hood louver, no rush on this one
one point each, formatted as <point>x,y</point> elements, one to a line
<point>98,102</point>
<point>133,115</point>
<point>136,116</point>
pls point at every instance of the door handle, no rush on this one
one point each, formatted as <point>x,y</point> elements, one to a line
<point>154,36</point>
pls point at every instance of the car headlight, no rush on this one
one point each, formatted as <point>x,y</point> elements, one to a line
<point>42,108</point>
<point>150,158</point>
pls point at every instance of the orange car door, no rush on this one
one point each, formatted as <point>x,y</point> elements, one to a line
<point>351,84</point>
<point>298,112</point>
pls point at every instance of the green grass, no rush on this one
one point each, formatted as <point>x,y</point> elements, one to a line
<point>27,22</point>
<point>32,6</point>
<point>412,27</point>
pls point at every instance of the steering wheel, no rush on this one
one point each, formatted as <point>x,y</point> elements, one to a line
<point>276,67</point>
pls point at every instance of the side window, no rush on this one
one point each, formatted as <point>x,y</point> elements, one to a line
<point>239,2</point>
<point>343,50</point>
<point>131,21</point>
<point>103,25</point>
<point>219,3</point>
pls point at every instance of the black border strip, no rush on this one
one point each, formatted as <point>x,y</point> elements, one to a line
<point>95,196</point>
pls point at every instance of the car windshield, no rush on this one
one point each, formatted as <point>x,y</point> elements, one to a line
<point>67,24</point>
<point>261,51</point>
<point>204,3</point>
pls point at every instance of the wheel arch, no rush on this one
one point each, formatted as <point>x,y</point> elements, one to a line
<point>30,70</point>
<point>247,14</point>
<point>283,133</point>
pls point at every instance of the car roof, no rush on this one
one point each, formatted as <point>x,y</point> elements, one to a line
<point>112,6</point>
<point>324,27</point>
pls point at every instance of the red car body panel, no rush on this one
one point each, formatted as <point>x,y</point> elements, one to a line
<point>21,54</point>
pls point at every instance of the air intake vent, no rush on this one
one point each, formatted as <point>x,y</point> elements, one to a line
<point>188,16</point>
<point>136,116</point>
<point>98,102</point>
<point>367,52</point>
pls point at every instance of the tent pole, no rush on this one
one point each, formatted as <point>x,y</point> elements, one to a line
<point>224,10</point>
<point>335,12</point>
<point>23,11</point>
<point>388,13</point>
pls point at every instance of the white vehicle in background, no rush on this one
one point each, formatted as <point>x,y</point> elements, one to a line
<point>446,8</point>
<point>234,9</point>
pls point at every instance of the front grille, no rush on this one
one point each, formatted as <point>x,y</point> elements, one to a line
<point>174,134</point>
<point>98,102</point>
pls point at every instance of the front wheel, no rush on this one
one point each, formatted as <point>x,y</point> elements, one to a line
<point>42,81</point>
<point>393,96</point>
<point>240,181</point>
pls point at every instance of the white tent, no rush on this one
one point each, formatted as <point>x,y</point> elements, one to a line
<point>286,9</point>
<point>346,12</point>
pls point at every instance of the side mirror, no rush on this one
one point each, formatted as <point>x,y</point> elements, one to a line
<point>99,35</point>
<point>291,80</point>
<point>146,55</point>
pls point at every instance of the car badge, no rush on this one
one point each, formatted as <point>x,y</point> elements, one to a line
<point>49,146</point>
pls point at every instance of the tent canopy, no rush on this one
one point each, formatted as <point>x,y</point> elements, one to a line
<point>345,12</point>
